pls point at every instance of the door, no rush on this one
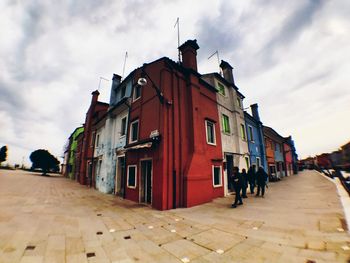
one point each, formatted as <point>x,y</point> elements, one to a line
<point>146,182</point>
<point>120,171</point>
<point>229,165</point>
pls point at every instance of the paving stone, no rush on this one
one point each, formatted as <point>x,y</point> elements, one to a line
<point>185,249</point>
<point>296,221</point>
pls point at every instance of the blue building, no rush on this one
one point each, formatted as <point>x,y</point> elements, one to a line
<point>255,138</point>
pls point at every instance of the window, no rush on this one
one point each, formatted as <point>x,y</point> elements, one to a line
<point>131,180</point>
<point>243,132</point>
<point>97,140</point>
<point>123,127</point>
<point>258,162</point>
<point>137,92</point>
<point>225,124</point>
<point>217,182</point>
<point>221,89</point>
<point>250,131</point>
<point>239,102</point>
<point>210,132</point>
<point>99,164</point>
<point>247,162</point>
<point>92,139</point>
<point>134,131</point>
<point>122,91</point>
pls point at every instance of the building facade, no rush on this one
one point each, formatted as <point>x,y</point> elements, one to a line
<point>256,144</point>
<point>95,111</point>
<point>174,154</point>
<point>274,153</point>
<point>230,109</point>
<point>72,153</point>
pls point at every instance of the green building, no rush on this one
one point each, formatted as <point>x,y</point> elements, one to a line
<point>72,151</point>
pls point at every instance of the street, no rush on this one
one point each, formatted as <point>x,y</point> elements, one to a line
<point>53,219</point>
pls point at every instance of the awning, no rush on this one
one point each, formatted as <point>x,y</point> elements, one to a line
<point>140,146</point>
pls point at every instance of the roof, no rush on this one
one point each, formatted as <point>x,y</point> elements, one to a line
<point>218,76</point>
<point>269,131</point>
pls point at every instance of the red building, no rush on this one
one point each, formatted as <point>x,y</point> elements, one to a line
<point>323,161</point>
<point>174,153</point>
<point>96,110</point>
<point>288,158</point>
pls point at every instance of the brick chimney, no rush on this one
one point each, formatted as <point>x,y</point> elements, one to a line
<point>94,97</point>
<point>227,71</point>
<point>255,111</point>
<point>115,83</point>
<point>189,54</point>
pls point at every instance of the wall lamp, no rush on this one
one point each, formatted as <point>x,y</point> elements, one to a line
<point>142,81</point>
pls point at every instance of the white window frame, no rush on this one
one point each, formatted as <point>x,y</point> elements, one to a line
<point>206,132</point>
<point>126,126</point>
<point>127,178</point>
<point>213,175</point>
<point>138,129</point>
<point>134,93</point>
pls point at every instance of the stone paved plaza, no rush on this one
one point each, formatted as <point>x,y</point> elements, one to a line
<point>53,219</point>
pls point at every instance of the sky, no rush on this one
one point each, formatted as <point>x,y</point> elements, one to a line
<point>290,57</point>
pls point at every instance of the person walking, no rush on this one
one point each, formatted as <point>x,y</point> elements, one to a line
<point>237,185</point>
<point>261,177</point>
<point>244,183</point>
<point>251,178</point>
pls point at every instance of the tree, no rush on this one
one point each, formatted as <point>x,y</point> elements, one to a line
<point>44,160</point>
<point>3,154</point>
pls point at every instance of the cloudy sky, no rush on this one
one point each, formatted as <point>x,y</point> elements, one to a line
<point>291,57</point>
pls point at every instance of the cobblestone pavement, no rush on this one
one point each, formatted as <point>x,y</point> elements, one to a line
<point>53,219</point>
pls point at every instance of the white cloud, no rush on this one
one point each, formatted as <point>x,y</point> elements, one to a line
<point>292,58</point>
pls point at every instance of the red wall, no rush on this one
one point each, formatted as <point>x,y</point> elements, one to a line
<point>182,148</point>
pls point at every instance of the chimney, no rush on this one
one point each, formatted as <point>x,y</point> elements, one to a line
<point>227,71</point>
<point>189,54</point>
<point>94,96</point>
<point>115,83</point>
<point>255,111</point>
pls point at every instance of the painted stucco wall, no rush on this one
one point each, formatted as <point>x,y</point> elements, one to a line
<point>72,154</point>
<point>112,140</point>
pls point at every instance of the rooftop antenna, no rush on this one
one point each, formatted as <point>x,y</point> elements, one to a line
<point>99,83</point>
<point>217,56</point>
<point>126,56</point>
<point>178,37</point>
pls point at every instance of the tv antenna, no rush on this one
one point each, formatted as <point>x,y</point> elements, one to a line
<point>99,83</point>
<point>177,23</point>
<point>218,58</point>
<point>126,56</point>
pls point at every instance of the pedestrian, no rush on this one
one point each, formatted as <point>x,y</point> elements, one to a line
<point>244,183</point>
<point>237,185</point>
<point>261,177</point>
<point>252,178</point>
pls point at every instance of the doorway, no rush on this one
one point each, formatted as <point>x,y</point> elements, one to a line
<point>146,182</point>
<point>229,167</point>
<point>120,171</point>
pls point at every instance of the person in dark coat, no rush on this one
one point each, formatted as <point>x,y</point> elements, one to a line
<point>252,178</point>
<point>244,183</point>
<point>261,177</point>
<point>237,185</point>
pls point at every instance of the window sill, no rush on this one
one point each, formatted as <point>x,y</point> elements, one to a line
<point>131,187</point>
<point>212,144</point>
<point>135,99</point>
<point>217,186</point>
